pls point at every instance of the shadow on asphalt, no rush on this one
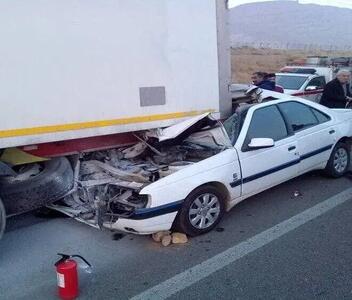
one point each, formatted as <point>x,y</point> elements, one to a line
<point>45,215</point>
<point>31,218</point>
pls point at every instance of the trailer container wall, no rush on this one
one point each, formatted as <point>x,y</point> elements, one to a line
<point>72,69</point>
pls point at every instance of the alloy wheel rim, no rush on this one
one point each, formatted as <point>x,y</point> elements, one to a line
<point>340,160</point>
<point>204,211</point>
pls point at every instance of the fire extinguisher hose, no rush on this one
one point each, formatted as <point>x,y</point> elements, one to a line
<point>65,257</point>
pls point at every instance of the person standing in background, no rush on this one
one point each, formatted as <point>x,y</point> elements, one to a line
<point>337,92</point>
<point>259,79</point>
<point>272,77</point>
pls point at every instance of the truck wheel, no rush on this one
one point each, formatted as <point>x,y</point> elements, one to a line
<point>339,161</point>
<point>201,211</point>
<point>2,219</point>
<point>36,185</point>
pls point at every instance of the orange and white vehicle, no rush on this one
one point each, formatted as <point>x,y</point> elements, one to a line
<point>304,82</point>
<point>308,79</point>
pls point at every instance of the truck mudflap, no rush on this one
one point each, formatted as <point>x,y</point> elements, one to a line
<point>15,156</point>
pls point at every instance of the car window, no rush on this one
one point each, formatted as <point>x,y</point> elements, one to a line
<point>290,82</point>
<point>298,115</point>
<point>233,124</point>
<point>319,82</point>
<point>267,122</point>
<point>322,118</point>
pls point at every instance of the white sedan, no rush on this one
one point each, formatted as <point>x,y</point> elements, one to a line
<point>186,176</point>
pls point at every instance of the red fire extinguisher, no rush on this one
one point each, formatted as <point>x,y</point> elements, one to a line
<point>67,276</point>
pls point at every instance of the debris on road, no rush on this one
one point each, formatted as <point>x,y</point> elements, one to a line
<point>179,238</point>
<point>157,237</point>
<point>166,238</point>
<point>297,194</point>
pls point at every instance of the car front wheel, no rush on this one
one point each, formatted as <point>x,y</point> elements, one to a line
<point>201,211</point>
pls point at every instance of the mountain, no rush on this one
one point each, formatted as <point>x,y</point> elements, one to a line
<point>284,22</point>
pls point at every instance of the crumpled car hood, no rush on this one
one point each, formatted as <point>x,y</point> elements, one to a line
<point>175,131</point>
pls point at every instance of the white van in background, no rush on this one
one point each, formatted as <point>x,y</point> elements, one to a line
<point>305,82</point>
<point>308,80</point>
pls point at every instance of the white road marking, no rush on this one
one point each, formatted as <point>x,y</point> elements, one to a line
<point>190,276</point>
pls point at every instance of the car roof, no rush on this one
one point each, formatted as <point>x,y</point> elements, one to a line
<point>287,98</point>
<point>295,74</point>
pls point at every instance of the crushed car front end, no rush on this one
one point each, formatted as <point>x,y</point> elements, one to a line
<point>139,189</point>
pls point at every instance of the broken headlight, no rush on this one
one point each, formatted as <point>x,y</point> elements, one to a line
<point>125,202</point>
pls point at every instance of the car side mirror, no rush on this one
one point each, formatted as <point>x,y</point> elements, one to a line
<point>311,88</point>
<point>260,143</point>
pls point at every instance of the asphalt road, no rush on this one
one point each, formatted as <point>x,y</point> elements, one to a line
<point>272,246</point>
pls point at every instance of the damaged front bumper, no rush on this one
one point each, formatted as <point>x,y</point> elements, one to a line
<point>137,220</point>
<point>103,198</point>
<point>147,220</point>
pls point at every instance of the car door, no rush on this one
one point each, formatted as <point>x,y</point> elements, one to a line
<point>314,133</point>
<point>263,168</point>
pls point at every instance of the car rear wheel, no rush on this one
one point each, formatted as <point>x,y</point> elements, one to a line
<point>339,161</point>
<point>201,211</point>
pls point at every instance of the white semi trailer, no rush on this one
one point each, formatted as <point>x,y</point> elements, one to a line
<point>79,76</point>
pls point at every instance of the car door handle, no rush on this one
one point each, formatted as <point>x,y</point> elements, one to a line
<point>332,131</point>
<point>291,148</point>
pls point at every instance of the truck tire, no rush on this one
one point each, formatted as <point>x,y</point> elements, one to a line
<point>205,204</point>
<point>2,219</point>
<point>339,161</point>
<point>53,179</point>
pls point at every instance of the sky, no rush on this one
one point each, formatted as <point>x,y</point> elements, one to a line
<point>339,3</point>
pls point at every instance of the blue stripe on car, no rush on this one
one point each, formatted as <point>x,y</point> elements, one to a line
<point>315,152</point>
<point>280,167</point>
<point>146,213</point>
<point>270,171</point>
<point>235,183</point>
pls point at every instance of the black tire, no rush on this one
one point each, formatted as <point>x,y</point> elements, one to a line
<point>183,223</point>
<point>2,219</point>
<point>331,169</point>
<point>53,181</point>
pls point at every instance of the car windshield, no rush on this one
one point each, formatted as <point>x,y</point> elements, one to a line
<point>233,127</point>
<point>290,82</point>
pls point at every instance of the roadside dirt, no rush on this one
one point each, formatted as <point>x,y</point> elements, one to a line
<point>247,60</point>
